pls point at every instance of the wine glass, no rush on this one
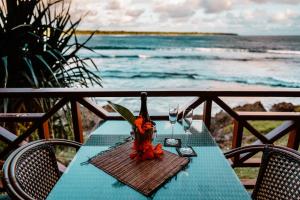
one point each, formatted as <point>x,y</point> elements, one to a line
<point>173,114</point>
<point>187,120</point>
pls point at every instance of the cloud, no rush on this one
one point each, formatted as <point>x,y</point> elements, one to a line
<point>216,6</point>
<point>113,5</point>
<point>143,2</point>
<point>276,1</point>
<point>240,16</point>
<point>181,9</point>
<point>135,13</point>
<point>284,17</point>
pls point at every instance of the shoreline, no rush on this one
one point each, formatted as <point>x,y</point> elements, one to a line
<point>152,33</point>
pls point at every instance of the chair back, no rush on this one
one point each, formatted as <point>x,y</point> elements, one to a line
<point>31,171</point>
<point>279,175</point>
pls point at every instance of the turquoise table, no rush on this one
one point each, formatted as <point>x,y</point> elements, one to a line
<point>208,176</point>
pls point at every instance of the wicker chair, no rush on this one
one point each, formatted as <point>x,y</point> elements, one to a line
<point>31,171</point>
<point>279,174</point>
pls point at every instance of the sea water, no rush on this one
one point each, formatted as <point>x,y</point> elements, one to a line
<point>203,62</point>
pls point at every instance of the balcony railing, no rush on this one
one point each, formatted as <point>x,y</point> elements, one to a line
<point>81,97</point>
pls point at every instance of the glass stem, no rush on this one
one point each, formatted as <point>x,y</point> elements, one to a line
<point>172,131</point>
<point>187,138</point>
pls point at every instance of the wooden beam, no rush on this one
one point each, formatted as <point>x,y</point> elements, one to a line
<point>269,115</point>
<point>207,113</point>
<point>272,136</point>
<point>294,137</point>
<point>278,132</point>
<point>44,132</point>
<point>237,138</point>
<point>77,121</point>
<point>6,136</point>
<point>94,108</point>
<point>20,117</point>
<point>175,92</point>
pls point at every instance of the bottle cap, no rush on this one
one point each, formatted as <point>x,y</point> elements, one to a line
<point>143,95</point>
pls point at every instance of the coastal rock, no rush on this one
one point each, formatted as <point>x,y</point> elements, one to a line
<point>257,106</point>
<point>283,107</point>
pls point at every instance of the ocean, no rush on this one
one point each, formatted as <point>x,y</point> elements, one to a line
<point>205,62</point>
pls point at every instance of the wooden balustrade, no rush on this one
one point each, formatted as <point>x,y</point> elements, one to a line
<point>80,97</point>
<point>290,125</point>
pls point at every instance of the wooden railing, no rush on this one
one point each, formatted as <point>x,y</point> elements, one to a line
<point>77,97</point>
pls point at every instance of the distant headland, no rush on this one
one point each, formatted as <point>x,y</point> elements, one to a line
<point>98,32</point>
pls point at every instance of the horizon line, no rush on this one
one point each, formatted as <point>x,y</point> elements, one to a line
<point>124,32</point>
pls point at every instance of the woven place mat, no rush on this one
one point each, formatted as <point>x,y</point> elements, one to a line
<point>143,176</point>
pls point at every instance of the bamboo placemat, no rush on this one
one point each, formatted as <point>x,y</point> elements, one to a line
<point>143,176</point>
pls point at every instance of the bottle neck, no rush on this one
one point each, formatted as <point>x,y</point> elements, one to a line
<point>144,110</point>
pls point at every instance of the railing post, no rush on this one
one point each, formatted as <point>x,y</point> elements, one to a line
<point>207,113</point>
<point>237,137</point>
<point>44,131</point>
<point>294,137</point>
<point>77,121</point>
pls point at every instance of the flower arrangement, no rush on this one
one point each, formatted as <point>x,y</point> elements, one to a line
<point>143,131</point>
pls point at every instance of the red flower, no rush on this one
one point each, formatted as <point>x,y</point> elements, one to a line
<point>146,151</point>
<point>141,125</point>
<point>142,146</point>
<point>158,152</point>
<point>147,126</point>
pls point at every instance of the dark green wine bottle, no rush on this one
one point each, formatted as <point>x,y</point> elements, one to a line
<point>144,111</point>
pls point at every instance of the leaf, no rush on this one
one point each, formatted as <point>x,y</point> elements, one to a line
<point>4,60</point>
<point>124,112</point>
<point>33,75</point>
<point>48,67</point>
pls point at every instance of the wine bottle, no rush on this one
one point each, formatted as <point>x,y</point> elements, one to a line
<point>144,111</point>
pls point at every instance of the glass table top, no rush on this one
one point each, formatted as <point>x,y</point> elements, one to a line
<point>208,176</point>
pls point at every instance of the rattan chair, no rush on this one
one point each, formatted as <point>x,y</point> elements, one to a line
<point>279,173</point>
<point>31,171</point>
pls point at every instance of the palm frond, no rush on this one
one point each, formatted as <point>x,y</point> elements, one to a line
<point>38,46</point>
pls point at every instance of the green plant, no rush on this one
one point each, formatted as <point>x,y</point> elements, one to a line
<point>38,48</point>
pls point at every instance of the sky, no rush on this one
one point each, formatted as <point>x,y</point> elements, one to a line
<point>245,17</point>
